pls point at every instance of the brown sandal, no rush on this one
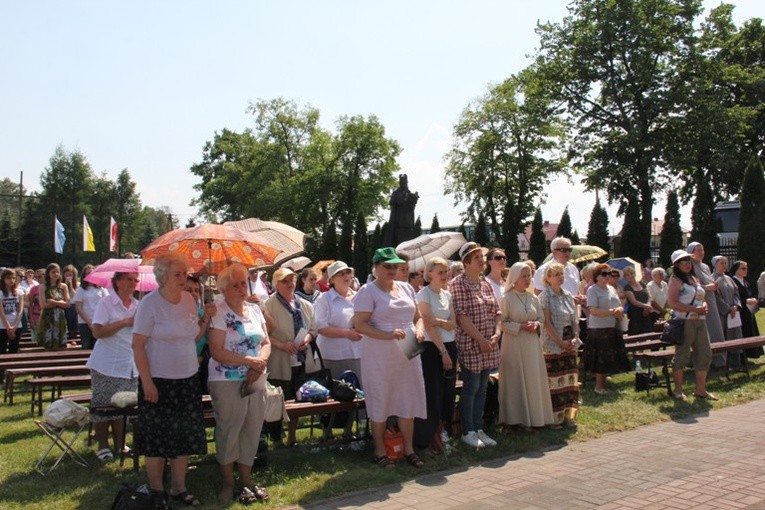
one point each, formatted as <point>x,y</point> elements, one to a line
<point>383,461</point>
<point>414,460</point>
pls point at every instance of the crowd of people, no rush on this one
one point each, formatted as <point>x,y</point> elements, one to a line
<point>477,320</point>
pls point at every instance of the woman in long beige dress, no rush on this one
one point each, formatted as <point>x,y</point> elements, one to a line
<point>524,393</point>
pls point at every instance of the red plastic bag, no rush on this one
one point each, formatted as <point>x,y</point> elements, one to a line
<point>394,443</point>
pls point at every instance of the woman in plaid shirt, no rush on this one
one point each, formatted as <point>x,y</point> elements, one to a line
<point>477,338</point>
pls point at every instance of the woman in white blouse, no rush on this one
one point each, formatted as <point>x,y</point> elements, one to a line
<point>111,364</point>
<point>657,291</point>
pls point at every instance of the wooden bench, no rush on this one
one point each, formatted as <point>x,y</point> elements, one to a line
<point>72,352</point>
<point>632,344</point>
<point>56,370</point>
<point>297,410</point>
<point>56,385</point>
<point>717,347</point>
<point>60,362</point>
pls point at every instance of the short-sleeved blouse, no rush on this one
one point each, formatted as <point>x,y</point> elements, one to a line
<point>604,299</point>
<point>89,298</point>
<point>171,329</point>
<point>113,355</point>
<point>332,309</point>
<point>243,335</point>
<point>441,307</point>
<point>562,313</point>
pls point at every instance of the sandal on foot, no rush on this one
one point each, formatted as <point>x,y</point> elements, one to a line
<point>383,461</point>
<point>105,455</point>
<point>680,396</point>
<point>186,498</point>
<point>249,495</point>
<point>707,396</point>
<point>414,460</point>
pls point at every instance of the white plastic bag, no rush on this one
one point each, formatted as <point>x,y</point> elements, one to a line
<point>123,399</point>
<point>63,413</point>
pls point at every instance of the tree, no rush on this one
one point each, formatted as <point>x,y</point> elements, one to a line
<point>564,227</point>
<point>8,241</point>
<point>631,244</point>
<point>417,227</point>
<point>67,188</point>
<point>575,238</point>
<point>597,228</point>
<point>538,241</point>
<point>361,259</point>
<point>506,148</point>
<point>481,235</point>
<point>704,227</point>
<point>434,226</point>
<point>671,234</point>
<point>128,207</point>
<point>287,168</point>
<point>509,242</point>
<point>751,227</point>
<point>345,245</point>
<point>614,65</point>
<point>376,240</point>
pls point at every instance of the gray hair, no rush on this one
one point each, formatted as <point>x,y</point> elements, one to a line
<point>225,276</point>
<point>164,262</point>
<point>558,241</point>
<point>659,270</point>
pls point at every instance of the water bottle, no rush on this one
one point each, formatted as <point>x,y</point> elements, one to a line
<point>638,368</point>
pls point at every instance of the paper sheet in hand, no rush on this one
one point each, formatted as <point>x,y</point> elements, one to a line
<point>735,321</point>
<point>409,345</point>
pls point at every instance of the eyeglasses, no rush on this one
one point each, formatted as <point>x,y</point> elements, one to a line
<point>499,257</point>
<point>605,273</point>
<point>564,250</point>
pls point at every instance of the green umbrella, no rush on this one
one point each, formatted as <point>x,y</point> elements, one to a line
<point>583,253</point>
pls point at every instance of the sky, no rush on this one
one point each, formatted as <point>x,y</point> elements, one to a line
<point>143,85</point>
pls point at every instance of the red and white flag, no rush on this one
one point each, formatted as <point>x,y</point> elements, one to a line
<point>112,235</point>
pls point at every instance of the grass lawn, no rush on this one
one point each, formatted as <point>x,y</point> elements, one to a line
<point>308,473</point>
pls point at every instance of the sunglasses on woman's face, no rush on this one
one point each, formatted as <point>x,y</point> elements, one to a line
<point>499,257</point>
<point>605,273</point>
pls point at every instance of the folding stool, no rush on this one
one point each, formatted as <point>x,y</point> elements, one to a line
<point>56,436</point>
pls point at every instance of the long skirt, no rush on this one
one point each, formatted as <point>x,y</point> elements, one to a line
<point>563,379</point>
<point>604,352</point>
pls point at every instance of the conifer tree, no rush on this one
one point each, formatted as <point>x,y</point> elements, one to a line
<point>751,226</point>
<point>361,259</point>
<point>597,229</point>
<point>434,226</point>
<point>575,238</point>
<point>671,238</point>
<point>703,225</point>
<point>417,227</point>
<point>631,245</point>
<point>564,227</point>
<point>509,233</point>
<point>538,242</point>
<point>481,234</point>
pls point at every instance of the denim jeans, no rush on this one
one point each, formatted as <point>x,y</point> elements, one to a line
<point>473,399</point>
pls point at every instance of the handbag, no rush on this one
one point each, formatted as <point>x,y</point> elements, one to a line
<point>342,391</point>
<point>645,381</point>
<point>673,331</point>
<point>135,497</point>
<point>276,410</point>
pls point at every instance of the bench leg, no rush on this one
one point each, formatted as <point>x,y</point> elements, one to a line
<point>667,379</point>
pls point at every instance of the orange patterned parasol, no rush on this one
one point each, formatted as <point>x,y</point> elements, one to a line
<point>212,247</point>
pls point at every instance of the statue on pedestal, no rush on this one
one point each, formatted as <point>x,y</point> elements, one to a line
<point>401,223</point>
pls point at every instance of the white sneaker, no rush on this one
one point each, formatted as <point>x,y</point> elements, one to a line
<point>471,439</point>
<point>485,439</point>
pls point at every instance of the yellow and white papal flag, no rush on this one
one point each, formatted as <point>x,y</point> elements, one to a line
<point>88,244</point>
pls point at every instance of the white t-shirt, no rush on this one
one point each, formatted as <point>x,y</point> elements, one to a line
<point>570,277</point>
<point>441,307</point>
<point>332,309</point>
<point>113,355</point>
<point>244,336</point>
<point>89,298</point>
<point>11,307</point>
<point>171,329</point>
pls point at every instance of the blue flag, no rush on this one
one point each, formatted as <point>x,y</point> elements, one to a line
<point>58,236</point>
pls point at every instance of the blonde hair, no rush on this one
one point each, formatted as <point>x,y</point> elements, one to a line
<point>554,267</point>
<point>432,263</point>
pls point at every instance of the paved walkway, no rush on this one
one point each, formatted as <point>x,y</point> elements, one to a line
<point>707,462</point>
